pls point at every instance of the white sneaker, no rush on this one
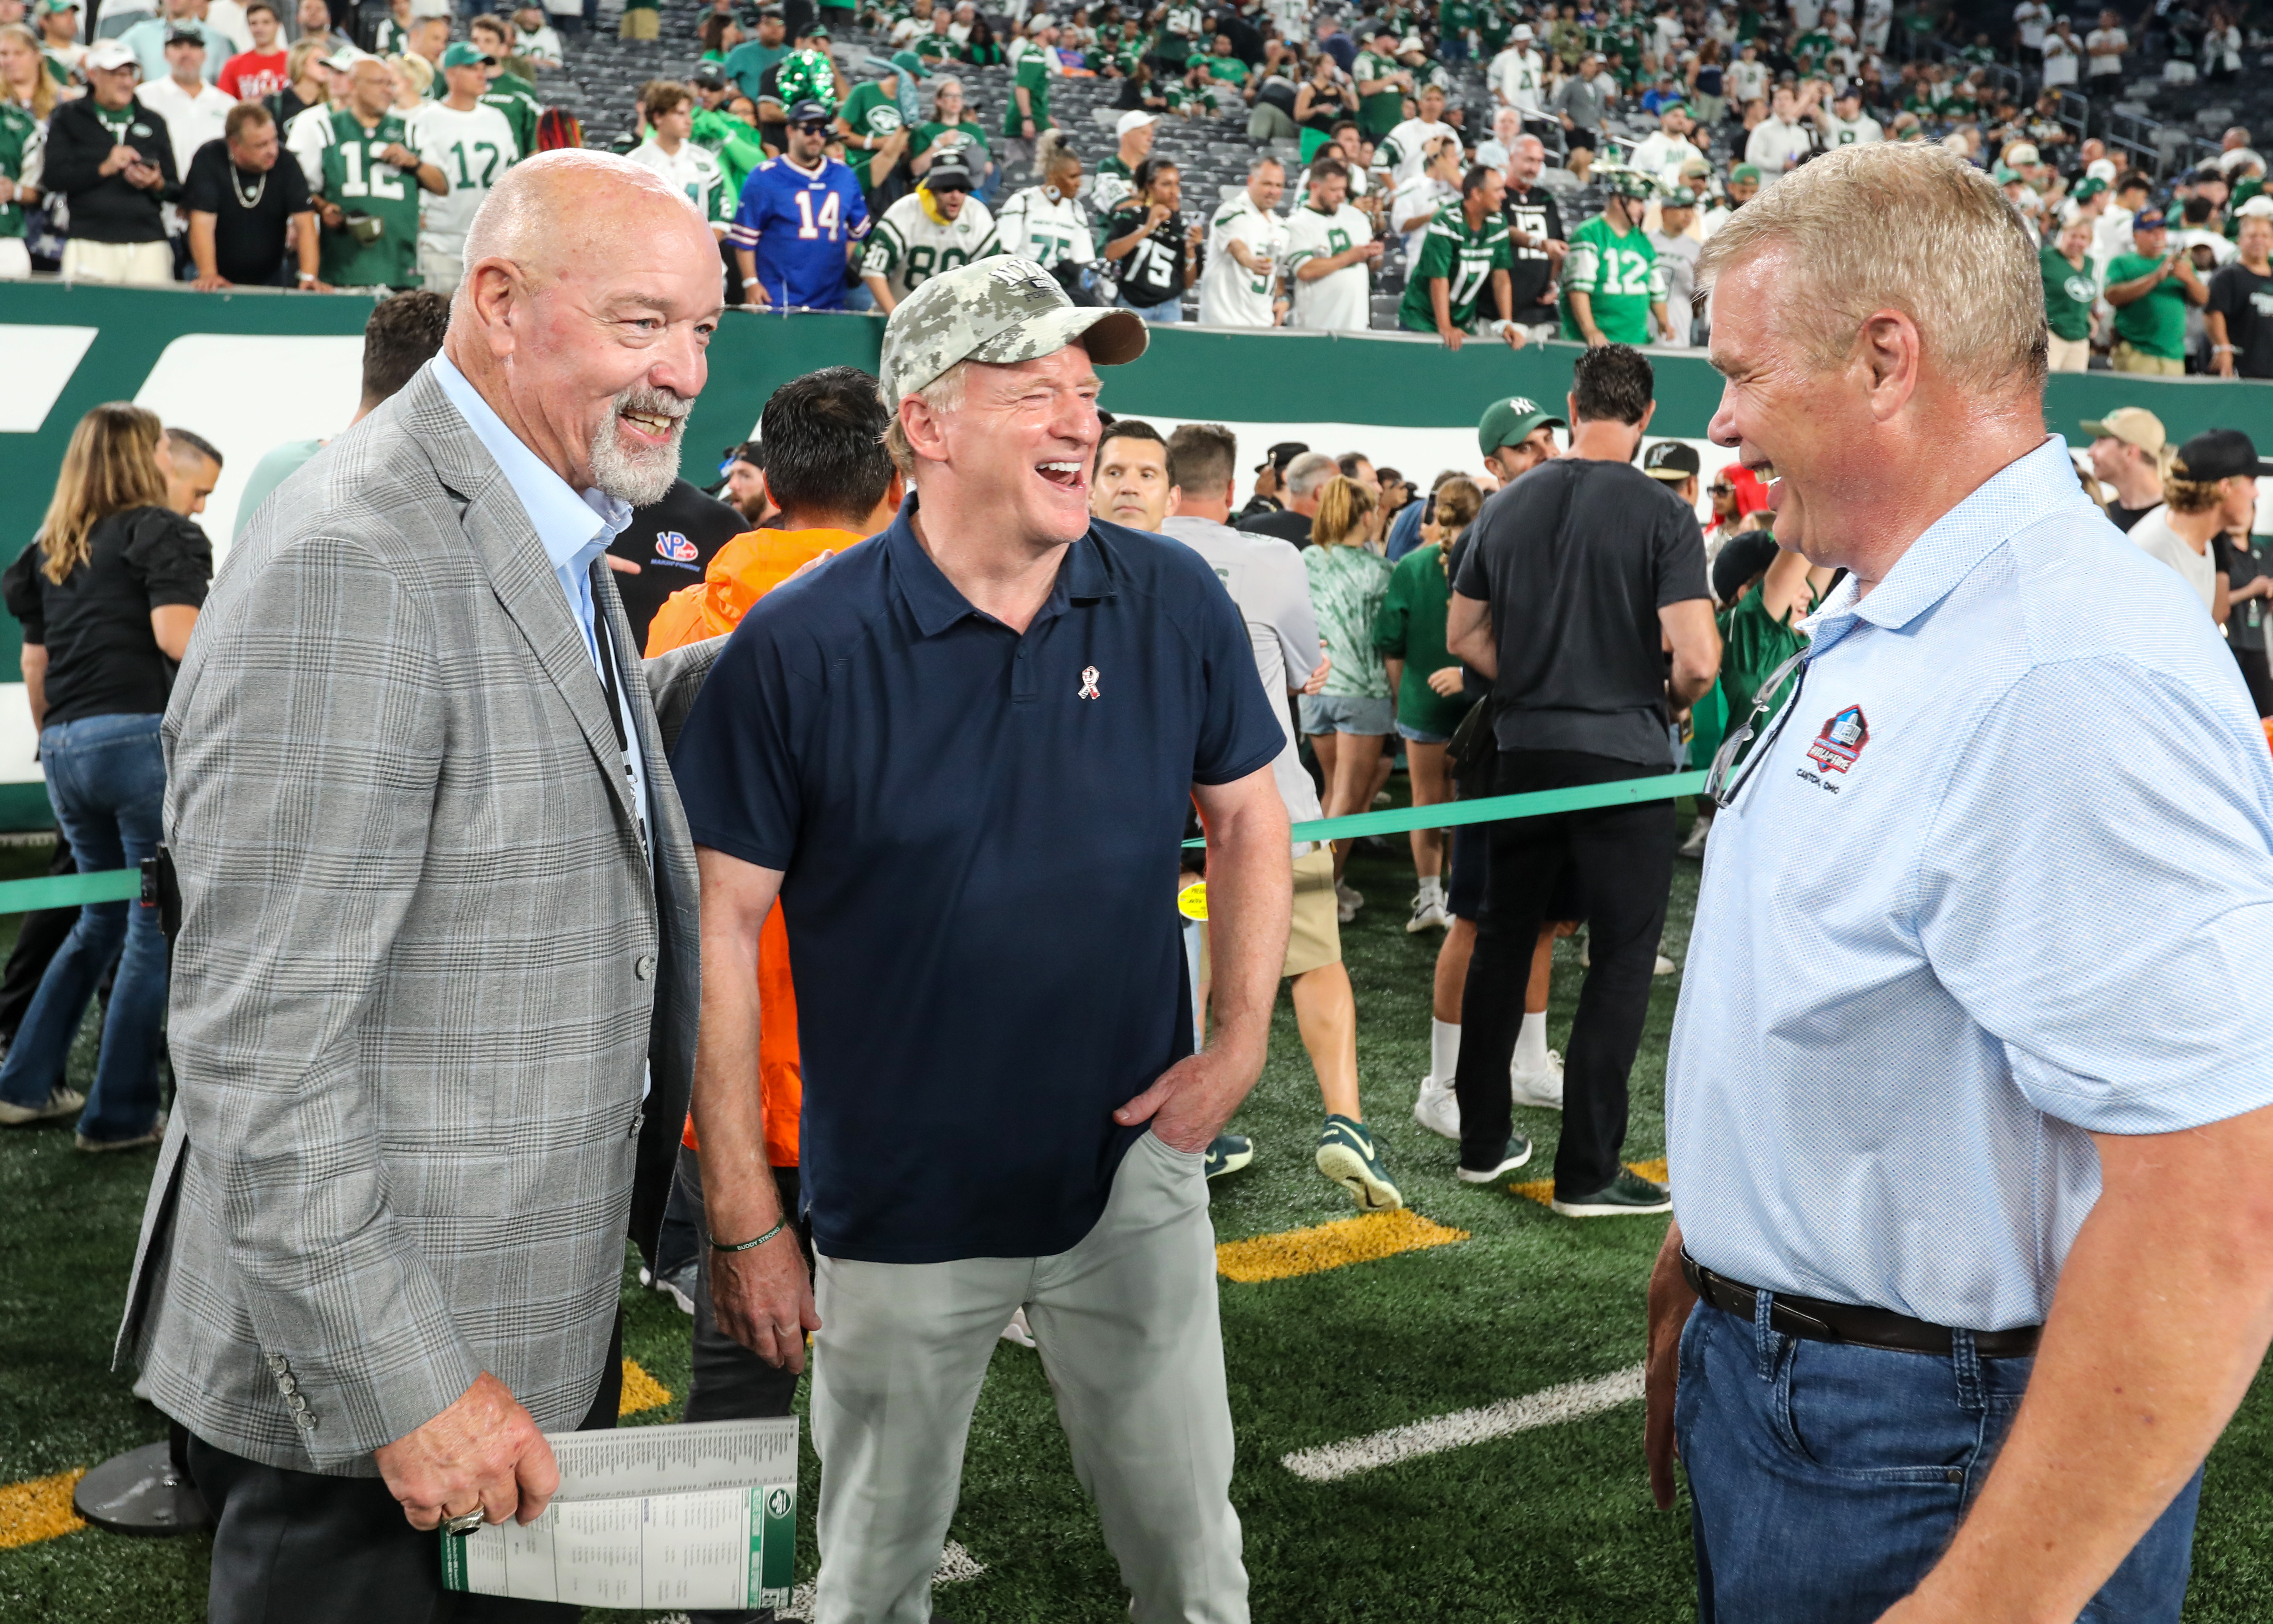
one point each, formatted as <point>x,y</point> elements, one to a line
<point>1347,901</point>
<point>1541,1089</point>
<point>1663,967</point>
<point>1018,1330</point>
<point>1694,846</point>
<point>1428,915</point>
<point>1438,1109</point>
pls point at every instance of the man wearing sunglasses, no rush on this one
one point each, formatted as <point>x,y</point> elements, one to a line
<point>801,216</point>
<point>1968,1267</point>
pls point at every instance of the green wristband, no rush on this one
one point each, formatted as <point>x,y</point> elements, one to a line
<point>750,1245</point>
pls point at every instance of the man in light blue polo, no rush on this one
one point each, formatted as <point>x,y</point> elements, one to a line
<point>1968,1268</point>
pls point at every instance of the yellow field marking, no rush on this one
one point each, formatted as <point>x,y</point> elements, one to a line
<point>39,1509</point>
<point>642,1391</point>
<point>1330,1246</point>
<point>1542,1190</point>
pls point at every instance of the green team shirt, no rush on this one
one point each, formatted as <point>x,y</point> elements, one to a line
<point>2156,324</point>
<point>1410,626</point>
<point>733,144</point>
<point>972,147</point>
<point>20,142</point>
<point>516,98</point>
<point>872,109</point>
<point>1455,18</point>
<point>1619,274</point>
<point>1379,114</point>
<point>1465,260</point>
<point>1034,74</point>
<point>359,182</point>
<point>1226,69</point>
<point>1493,29</point>
<point>2068,296</point>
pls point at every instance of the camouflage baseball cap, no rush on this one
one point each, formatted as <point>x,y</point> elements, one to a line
<point>999,310</point>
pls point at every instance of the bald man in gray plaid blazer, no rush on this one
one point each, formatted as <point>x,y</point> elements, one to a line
<point>434,1000</point>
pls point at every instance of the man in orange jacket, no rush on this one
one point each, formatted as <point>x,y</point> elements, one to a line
<point>827,469</point>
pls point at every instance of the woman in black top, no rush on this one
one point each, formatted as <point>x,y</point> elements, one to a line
<point>1146,240</point>
<point>107,593</point>
<point>1321,101</point>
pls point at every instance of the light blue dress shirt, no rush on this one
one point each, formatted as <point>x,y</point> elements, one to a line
<point>574,530</point>
<point>2004,880</point>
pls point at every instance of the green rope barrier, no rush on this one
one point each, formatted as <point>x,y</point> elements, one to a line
<point>1495,808</point>
<point>114,885</point>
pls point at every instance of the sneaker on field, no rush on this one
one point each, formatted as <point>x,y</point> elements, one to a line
<point>1227,1153</point>
<point>1347,902</point>
<point>1541,1088</point>
<point>1627,1193</point>
<point>1019,1332</point>
<point>1346,1156</point>
<point>1518,1152</point>
<point>155,1133</point>
<point>60,1102</point>
<point>1428,915</point>
<point>1438,1109</point>
<point>1663,967</point>
<point>1694,846</point>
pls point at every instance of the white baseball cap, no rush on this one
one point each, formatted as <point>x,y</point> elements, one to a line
<point>2259,207</point>
<point>1523,32</point>
<point>1134,119</point>
<point>106,54</point>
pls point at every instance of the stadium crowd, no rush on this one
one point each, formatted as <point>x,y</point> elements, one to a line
<point>1497,170</point>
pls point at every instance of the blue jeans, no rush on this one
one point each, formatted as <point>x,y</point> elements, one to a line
<point>1166,310</point>
<point>1826,1480</point>
<point>106,779</point>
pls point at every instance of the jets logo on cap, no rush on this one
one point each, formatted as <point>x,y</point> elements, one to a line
<point>1013,273</point>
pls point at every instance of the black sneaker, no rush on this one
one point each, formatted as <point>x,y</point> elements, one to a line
<point>1227,1153</point>
<point>1518,1152</point>
<point>1629,1193</point>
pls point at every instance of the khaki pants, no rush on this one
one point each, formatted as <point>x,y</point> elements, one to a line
<point>1127,1327</point>
<point>2071,354</point>
<point>2128,359</point>
<point>146,264</point>
<point>438,272</point>
<point>640,23</point>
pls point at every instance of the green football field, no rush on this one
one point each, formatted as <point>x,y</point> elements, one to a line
<point>1552,1523</point>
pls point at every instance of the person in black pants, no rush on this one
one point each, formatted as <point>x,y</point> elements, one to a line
<point>1578,576</point>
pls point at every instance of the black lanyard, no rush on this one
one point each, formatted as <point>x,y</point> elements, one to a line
<point>603,641</point>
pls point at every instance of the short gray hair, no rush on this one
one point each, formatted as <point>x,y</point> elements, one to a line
<point>1306,472</point>
<point>943,393</point>
<point>1898,225</point>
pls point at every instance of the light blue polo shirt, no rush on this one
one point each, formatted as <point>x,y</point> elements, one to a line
<point>2005,879</point>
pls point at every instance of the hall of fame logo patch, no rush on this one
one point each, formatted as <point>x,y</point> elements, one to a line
<point>1840,746</point>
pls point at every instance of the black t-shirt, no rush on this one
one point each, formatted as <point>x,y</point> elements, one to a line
<point>1575,559</point>
<point>253,210</point>
<point>2244,623</point>
<point>672,543</point>
<point>1287,527</point>
<point>1153,273</point>
<point>2123,518</point>
<point>1536,214</point>
<point>103,660</point>
<point>2246,300</point>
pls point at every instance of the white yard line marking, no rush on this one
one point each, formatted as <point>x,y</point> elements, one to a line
<point>1572,1401</point>
<point>955,1565</point>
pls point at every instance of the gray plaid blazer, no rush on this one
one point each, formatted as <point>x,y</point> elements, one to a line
<point>423,967</point>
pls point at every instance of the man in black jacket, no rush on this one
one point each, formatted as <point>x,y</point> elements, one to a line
<point>113,159</point>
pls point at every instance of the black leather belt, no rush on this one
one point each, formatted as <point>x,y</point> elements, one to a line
<point>1846,1323</point>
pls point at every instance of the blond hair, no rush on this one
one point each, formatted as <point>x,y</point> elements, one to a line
<point>1459,500</point>
<point>2191,495</point>
<point>1897,226</point>
<point>297,57</point>
<point>112,464</point>
<point>43,83</point>
<point>1339,521</point>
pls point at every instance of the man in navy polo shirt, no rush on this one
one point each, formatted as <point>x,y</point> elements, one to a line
<point>960,755</point>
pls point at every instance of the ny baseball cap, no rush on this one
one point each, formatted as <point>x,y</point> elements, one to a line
<point>2087,188</point>
<point>185,34</point>
<point>106,54</point>
<point>2219,453</point>
<point>458,53</point>
<point>1509,422</point>
<point>711,75</point>
<point>2147,219</point>
<point>998,311</point>
<point>1741,557</point>
<point>808,112</point>
<point>948,173</point>
<point>911,63</point>
<point>1672,462</point>
<point>1745,172</point>
<point>1134,119</point>
<point>2133,425</point>
<point>1279,455</point>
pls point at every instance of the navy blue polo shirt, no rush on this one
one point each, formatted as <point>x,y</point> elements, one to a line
<point>977,832</point>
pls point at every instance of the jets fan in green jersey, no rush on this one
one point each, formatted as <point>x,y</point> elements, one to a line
<point>1613,286</point>
<point>20,137</point>
<point>366,180</point>
<point>1466,254</point>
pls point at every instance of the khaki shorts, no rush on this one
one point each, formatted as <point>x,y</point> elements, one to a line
<point>1314,940</point>
<point>144,263</point>
<point>2130,359</point>
<point>640,23</point>
<point>2069,355</point>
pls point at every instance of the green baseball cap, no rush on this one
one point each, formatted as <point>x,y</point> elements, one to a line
<point>998,311</point>
<point>1509,422</point>
<point>1746,171</point>
<point>2088,188</point>
<point>1681,198</point>
<point>458,53</point>
<point>912,62</point>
